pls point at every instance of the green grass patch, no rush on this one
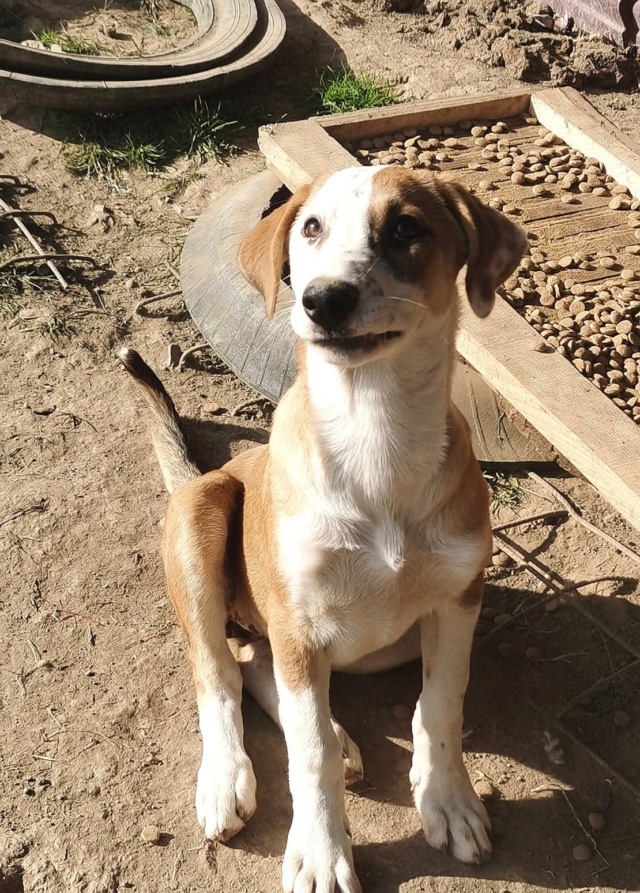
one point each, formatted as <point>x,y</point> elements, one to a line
<point>14,281</point>
<point>338,90</point>
<point>100,145</point>
<point>48,37</point>
<point>506,492</point>
<point>201,130</point>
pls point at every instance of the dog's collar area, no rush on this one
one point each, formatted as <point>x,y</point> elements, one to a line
<point>356,342</point>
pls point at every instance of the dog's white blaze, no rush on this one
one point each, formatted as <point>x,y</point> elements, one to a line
<point>343,253</point>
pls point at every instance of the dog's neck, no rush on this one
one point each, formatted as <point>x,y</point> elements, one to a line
<point>380,429</point>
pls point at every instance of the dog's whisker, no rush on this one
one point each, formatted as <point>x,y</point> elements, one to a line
<point>369,269</point>
<point>407,301</point>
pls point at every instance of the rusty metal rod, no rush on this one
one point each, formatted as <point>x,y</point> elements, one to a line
<point>35,244</point>
<point>27,258</point>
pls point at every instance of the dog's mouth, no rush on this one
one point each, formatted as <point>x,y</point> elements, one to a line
<point>357,343</point>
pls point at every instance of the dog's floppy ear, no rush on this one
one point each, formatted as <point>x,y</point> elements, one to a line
<point>495,245</point>
<point>265,249</point>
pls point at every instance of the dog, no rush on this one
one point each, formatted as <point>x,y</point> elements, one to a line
<point>357,538</point>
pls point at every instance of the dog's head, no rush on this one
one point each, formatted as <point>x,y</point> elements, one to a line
<point>374,254</point>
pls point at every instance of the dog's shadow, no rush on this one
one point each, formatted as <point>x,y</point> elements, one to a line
<point>540,725</point>
<point>214,443</point>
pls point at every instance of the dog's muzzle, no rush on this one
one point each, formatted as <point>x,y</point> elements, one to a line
<point>330,304</point>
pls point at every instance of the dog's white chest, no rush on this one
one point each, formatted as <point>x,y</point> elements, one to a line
<point>356,585</point>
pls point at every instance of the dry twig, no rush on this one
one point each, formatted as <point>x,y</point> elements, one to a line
<point>562,499</point>
<point>556,787</point>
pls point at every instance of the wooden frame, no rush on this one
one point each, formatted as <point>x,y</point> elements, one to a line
<point>572,414</point>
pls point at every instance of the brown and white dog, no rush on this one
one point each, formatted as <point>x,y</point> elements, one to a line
<point>357,538</point>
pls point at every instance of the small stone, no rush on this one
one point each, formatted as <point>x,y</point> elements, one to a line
<point>552,605</point>
<point>619,203</point>
<point>621,719</point>
<point>484,789</point>
<point>582,853</point>
<point>532,653</point>
<point>540,346</point>
<point>101,216</point>
<point>150,834</point>
<point>507,650</point>
<point>539,189</point>
<point>597,821</point>
<point>501,619</point>
<point>501,560</point>
<point>212,408</point>
<point>518,178</point>
<point>566,262</point>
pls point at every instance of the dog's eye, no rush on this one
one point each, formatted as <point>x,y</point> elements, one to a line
<point>312,228</point>
<point>406,229</point>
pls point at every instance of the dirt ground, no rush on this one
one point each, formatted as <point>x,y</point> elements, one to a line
<point>99,734</point>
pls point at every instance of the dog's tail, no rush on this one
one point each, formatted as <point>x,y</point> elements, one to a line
<point>171,448</point>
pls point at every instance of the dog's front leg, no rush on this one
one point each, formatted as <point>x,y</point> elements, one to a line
<point>452,814</point>
<point>318,854</point>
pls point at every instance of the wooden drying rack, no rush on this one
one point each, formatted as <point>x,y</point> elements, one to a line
<point>570,412</point>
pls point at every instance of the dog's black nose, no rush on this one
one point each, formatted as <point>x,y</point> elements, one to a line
<point>329,304</point>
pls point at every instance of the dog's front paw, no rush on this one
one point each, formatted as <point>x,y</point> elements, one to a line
<point>225,796</point>
<point>351,758</point>
<point>318,857</point>
<point>453,817</point>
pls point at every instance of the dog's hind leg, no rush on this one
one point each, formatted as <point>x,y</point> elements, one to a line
<point>194,548</point>
<point>256,663</point>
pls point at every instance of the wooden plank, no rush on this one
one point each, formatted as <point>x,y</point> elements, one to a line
<point>298,153</point>
<point>373,122</point>
<point>576,418</point>
<point>563,111</point>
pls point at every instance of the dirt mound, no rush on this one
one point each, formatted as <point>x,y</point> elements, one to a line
<point>528,40</point>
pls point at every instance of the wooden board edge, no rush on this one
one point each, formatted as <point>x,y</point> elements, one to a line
<point>300,152</point>
<point>373,122</point>
<point>565,407</point>
<point>567,114</point>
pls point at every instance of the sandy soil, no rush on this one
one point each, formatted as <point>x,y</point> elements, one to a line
<point>100,733</point>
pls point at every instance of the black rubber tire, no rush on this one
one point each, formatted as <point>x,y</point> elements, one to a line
<point>228,311</point>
